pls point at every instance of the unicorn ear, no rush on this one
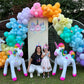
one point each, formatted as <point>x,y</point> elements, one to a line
<point>56,45</point>
<point>21,46</point>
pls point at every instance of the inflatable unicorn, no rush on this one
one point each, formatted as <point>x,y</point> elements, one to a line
<point>15,60</point>
<point>63,62</point>
<point>1,41</point>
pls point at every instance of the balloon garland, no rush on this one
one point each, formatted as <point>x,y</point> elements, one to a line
<point>63,26</point>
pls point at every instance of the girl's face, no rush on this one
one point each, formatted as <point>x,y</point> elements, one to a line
<point>38,49</point>
<point>45,49</point>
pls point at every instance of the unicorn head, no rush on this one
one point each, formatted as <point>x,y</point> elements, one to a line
<point>18,50</point>
<point>58,50</point>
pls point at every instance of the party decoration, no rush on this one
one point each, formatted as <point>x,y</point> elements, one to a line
<point>3,58</point>
<point>64,52</point>
<point>24,16</point>
<point>7,48</point>
<point>50,11</point>
<point>37,27</point>
<point>77,42</point>
<point>68,33</point>
<point>17,34</point>
<point>15,60</point>
<point>80,58</point>
<point>36,10</point>
<point>63,62</point>
<point>60,22</point>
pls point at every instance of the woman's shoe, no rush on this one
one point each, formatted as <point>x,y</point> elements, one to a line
<point>31,75</point>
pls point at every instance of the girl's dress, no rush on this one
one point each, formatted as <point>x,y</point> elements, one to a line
<point>46,63</point>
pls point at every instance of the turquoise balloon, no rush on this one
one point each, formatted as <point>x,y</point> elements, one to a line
<point>11,44</point>
<point>11,38</point>
<point>67,40</point>
<point>62,36</point>
<point>6,34</point>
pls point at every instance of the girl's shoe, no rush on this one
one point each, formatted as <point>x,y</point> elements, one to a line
<point>31,75</point>
<point>43,76</point>
<point>48,76</point>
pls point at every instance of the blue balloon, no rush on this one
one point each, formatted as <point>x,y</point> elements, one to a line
<point>80,49</point>
<point>8,25</point>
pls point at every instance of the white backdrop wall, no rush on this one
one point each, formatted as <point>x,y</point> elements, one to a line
<point>36,37</point>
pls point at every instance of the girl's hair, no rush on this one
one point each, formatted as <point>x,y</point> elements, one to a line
<point>35,52</point>
<point>44,50</point>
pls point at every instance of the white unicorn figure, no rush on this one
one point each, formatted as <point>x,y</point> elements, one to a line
<point>15,60</point>
<point>1,41</point>
<point>63,62</point>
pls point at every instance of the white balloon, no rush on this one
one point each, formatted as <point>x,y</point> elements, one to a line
<point>81,56</point>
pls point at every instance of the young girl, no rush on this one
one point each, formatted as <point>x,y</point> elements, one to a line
<point>46,61</point>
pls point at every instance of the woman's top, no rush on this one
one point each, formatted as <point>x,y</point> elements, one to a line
<point>36,59</point>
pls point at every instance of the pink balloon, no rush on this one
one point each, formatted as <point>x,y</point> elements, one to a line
<point>36,10</point>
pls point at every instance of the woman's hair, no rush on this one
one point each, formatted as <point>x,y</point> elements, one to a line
<point>35,52</point>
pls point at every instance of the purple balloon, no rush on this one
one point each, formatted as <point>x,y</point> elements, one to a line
<point>19,21</point>
<point>25,21</point>
<point>78,53</point>
<point>24,16</point>
<point>82,62</point>
<point>78,59</point>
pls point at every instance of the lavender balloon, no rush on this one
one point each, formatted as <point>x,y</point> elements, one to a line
<point>24,16</point>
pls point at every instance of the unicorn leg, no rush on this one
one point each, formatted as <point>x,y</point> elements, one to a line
<point>60,68</point>
<point>55,68</point>
<point>14,78</point>
<point>63,72</point>
<point>5,67</point>
<point>24,68</point>
<point>74,68</point>
<point>18,68</point>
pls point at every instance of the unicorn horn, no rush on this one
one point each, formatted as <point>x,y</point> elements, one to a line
<point>56,45</point>
<point>21,46</point>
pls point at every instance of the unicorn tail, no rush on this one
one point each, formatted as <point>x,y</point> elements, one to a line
<point>72,53</point>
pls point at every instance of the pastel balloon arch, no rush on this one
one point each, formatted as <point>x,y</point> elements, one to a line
<point>63,26</point>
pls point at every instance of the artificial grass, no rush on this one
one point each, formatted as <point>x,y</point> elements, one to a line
<point>21,79</point>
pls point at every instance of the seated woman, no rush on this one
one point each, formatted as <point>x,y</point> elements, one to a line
<point>35,62</point>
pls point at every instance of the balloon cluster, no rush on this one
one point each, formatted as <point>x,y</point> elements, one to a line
<point>68,33</point>
<point>6,48</point>
<point>60,22</point>
<point>77,42</point>
<point>24,16</point>
<point>74,37</point>
<point>80,57</point>
<point>17,34</point>
<point>36,10</point>
<point>50,11</point>
<point>3,58</point>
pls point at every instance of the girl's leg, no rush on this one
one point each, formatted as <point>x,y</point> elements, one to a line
<point>43,74</point>
<point>48,75</point>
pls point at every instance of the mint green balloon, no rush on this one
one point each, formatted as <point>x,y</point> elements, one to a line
<point>6,34</point>
<point>67,40</point>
